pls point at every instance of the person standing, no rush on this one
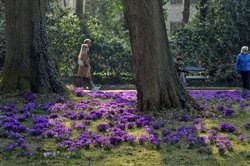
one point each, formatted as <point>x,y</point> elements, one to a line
<point>180,67</point>
<point>242,67</point>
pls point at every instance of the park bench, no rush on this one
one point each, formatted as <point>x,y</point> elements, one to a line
<point>196,73</point>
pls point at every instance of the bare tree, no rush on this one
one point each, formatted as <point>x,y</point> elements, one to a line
<point>27,64</point>
<point>79,8</point>
<point>186,12</point>
<point>158,86</point>
<point>64,3</point>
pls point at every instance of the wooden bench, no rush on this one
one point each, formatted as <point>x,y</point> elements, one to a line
<point>198,73</point>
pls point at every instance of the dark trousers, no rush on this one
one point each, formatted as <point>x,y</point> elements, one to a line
<point>245,76</point>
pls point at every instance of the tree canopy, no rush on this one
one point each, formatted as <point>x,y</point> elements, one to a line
<point>215,36</point>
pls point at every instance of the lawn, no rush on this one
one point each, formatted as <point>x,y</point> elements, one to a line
<point>104,128</point>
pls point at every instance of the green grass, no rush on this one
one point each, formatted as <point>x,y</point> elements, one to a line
<point>136,154</point>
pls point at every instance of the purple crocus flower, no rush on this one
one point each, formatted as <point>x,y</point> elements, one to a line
<point>54,115</point>
<point>228,112</point>
<point>130,125</point>
<point>79,126</point>
<point>171,138</point>
<point>102,127</point>
<point>81,115</point>
<point>184,118</point>
<point>247,126</point>
<point>212,139</point>
<point>221,108</point>
<point>213,132</point>
<point>202,140</point>
<point>82,106</point>
<point>142,139</point>
<point>166,132</point>
<point>128,138</point>
<point>115,140</point>
<point>198,120</point>
<point>157,125</point>
<point>143,121</point>
<point>226,127</point>
<point>29,96</point>
<point>11,146</point>
<point>70,114</point>
<point>241,137</point>
<point>58,107</point>
<point>121,126</point>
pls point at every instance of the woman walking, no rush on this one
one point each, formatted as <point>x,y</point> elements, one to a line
<point>83,72</point>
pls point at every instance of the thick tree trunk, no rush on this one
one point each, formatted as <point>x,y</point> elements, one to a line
<point>158,86</point>
<point>79,8</point>
<point>186,12</point>
<point>27,64</point>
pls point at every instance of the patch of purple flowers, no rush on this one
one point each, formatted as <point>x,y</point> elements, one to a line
<point>157,125</point>
<point>228,112</point>
<point>241,137</point>
<point>69,123</point>
<point>226,127</point>
<point>40,125</point>
<point>247,126</point>
<point>115,140</point>
<point>184,118</point>
<point>102,127</point>
<point>30,96</point>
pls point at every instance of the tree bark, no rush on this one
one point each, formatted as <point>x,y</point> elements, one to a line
<point>186,12</point>
<point>64,3</point>
<point>84,7</point>
<point>27,65</point>
<point>158,86</point>
<point>79,8</point>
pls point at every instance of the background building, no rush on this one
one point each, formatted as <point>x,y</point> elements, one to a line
<point>70,4</point>
<point>174,14</point>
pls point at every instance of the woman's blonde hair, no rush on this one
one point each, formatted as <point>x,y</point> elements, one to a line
<point>84,49</point>
<point>244,48</point>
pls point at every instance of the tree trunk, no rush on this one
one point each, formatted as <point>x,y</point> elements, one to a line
<point>27,65</point>
<point>158,86</point>
<point>186,12</point>
<point>84,7</point>
<point>64,3</point>
<point>79,8</point>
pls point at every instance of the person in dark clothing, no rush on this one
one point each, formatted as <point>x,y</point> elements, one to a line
<point>180,67</point>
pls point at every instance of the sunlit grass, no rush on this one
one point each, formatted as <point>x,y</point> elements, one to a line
<point>135,154</point>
